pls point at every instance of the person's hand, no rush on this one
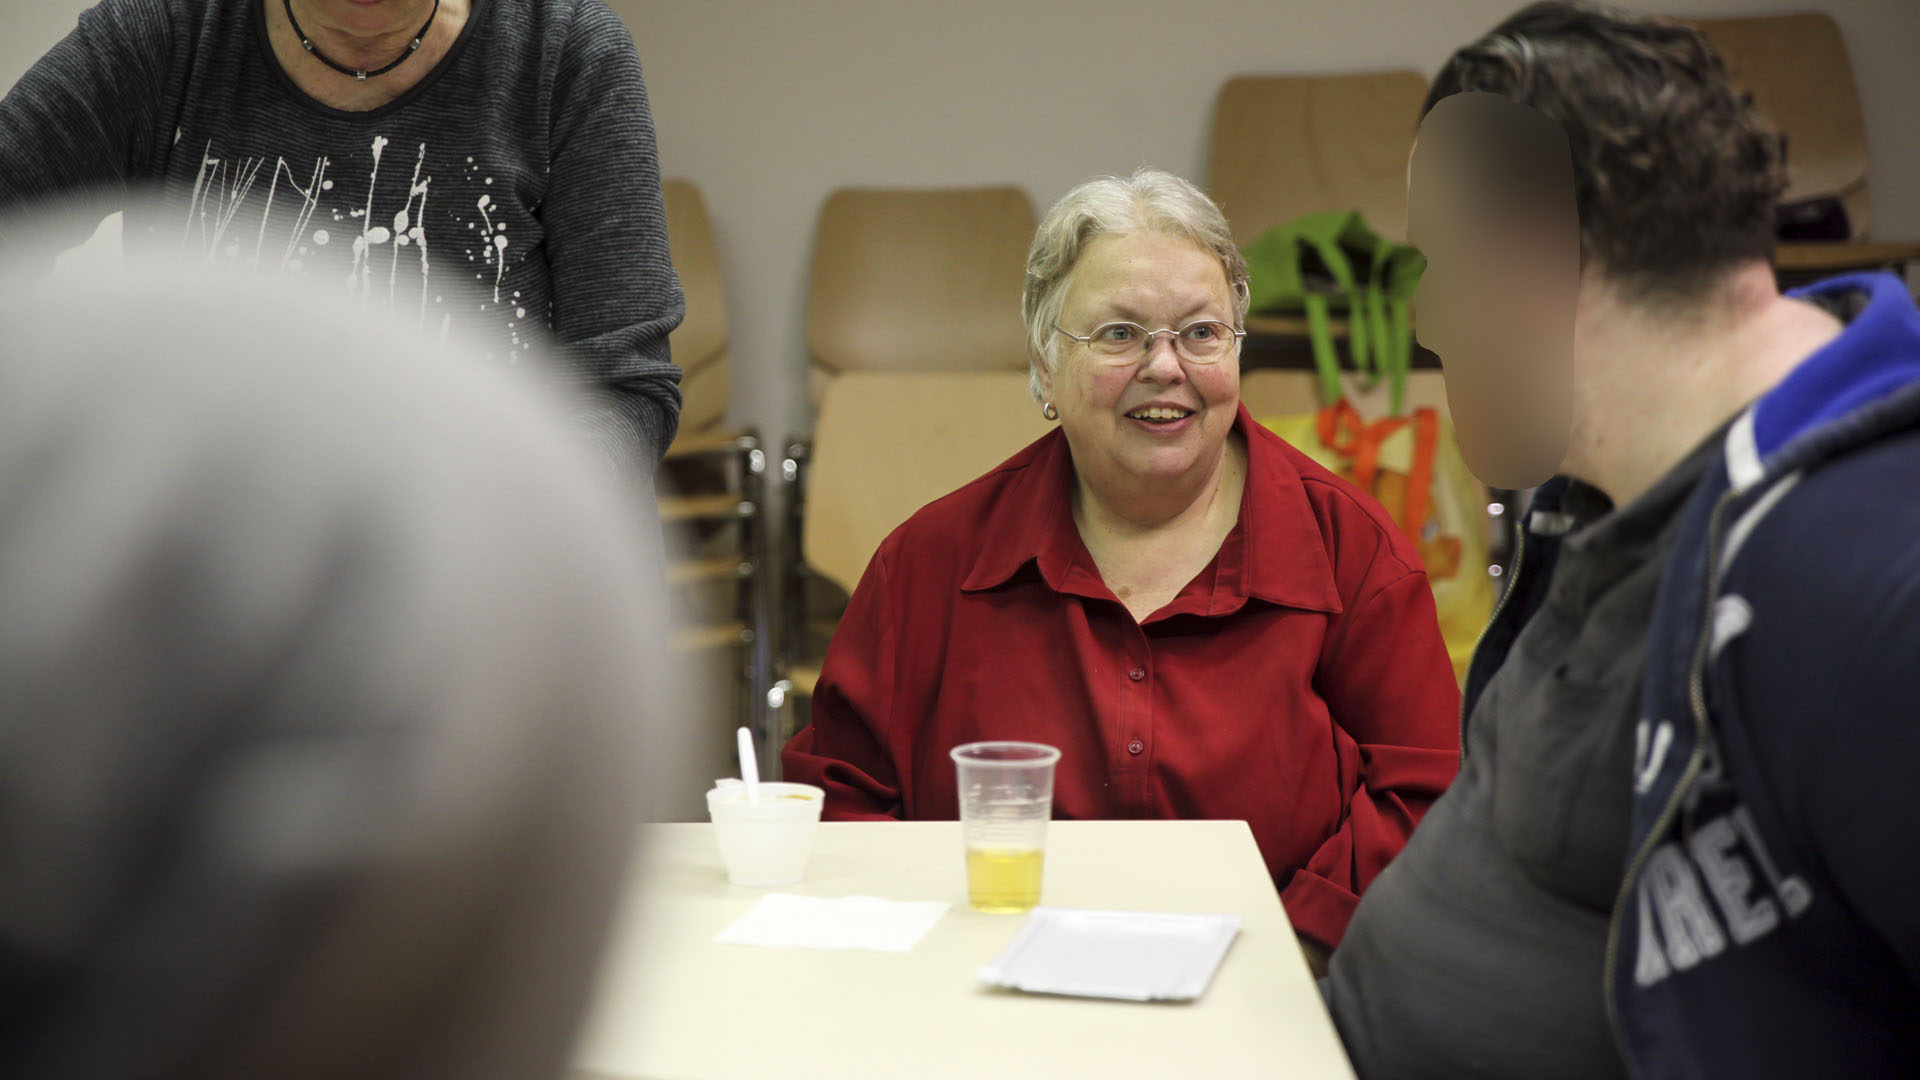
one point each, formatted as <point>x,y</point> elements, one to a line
<point>1317,955</point>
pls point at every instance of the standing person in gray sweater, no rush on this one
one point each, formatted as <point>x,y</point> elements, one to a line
<point>485,166</point>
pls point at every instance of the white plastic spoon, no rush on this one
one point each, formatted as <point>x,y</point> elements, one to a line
<point>749,767</point>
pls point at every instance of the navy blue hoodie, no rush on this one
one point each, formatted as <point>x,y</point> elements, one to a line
<point>1769,923</point>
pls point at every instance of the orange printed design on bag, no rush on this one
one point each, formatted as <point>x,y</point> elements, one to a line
<point>1407,496</point>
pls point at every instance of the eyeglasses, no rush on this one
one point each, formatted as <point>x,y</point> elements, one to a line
<point>1204,341</point>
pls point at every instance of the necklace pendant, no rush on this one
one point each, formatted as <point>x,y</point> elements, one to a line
<point>359,75</point>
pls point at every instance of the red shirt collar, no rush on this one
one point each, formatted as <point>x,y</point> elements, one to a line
<point>1275,553</point>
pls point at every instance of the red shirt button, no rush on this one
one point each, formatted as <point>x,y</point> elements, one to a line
<point>1136,746</point>
<point>1137,674</point>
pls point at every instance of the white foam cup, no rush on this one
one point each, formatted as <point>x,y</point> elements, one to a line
<point>765,843</point>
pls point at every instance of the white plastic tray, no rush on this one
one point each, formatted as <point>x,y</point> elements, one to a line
<point>1125,955</point>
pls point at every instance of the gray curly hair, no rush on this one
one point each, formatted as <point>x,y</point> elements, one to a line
<point>1148,201</point>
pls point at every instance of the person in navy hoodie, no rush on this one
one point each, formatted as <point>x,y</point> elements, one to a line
<point>1680,844</point>
<point>1769,923</point>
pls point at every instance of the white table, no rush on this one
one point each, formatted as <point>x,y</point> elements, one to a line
<point>672,1005</point>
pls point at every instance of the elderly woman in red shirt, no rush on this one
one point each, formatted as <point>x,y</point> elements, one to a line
<point>1205,622</point>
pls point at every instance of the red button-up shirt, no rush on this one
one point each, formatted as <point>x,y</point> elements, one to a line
<point>1298,682</point>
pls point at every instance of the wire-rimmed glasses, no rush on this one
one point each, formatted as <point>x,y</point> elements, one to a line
<point>1203,341</point>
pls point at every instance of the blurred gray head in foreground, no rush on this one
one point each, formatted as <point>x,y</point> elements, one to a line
<point>323,657</point>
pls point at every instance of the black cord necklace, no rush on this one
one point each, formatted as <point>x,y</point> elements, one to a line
<point>307,44</point>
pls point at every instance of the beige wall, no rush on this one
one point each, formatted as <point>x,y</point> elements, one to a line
<point>770,104</point>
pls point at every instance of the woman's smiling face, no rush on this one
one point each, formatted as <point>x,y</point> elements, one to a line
<point>1162,416</point>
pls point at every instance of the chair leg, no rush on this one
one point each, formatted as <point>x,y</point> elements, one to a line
<point>787,583</point>
<point>757,670</point>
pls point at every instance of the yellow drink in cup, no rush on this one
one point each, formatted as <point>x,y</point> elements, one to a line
<point>1003,880</point>
<point>1006,799</point>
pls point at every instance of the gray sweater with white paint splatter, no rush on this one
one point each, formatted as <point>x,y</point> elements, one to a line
<point>514,194</point>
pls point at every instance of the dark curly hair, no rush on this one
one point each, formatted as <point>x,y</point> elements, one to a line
<point>1675,172</point>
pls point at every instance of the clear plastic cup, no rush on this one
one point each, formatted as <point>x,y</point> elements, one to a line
<point>1006,799</point>
<point>765,843</point>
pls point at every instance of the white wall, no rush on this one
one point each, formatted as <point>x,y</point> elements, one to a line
<point>28,27</point>
<point>769,104</point>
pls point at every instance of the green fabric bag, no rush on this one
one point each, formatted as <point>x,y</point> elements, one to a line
<point>1331,261</point>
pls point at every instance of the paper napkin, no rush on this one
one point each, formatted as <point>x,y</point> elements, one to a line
<point>783,920</point>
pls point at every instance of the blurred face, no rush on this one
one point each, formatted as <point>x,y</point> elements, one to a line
<point>1496,303</point>
<point>1160,417</point>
